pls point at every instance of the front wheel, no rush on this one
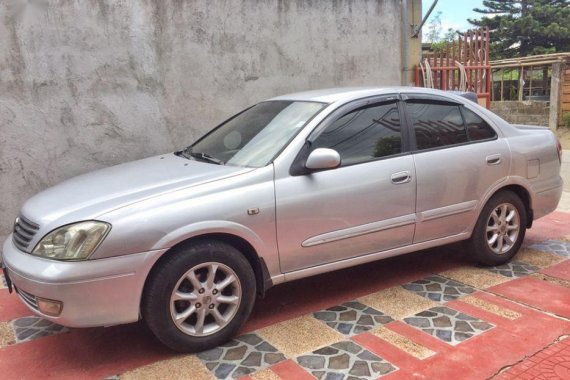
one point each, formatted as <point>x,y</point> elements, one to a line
<point>199,296</point>
<point>500,230</point>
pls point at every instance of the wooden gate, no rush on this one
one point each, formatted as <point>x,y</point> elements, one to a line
<point>460,65</point>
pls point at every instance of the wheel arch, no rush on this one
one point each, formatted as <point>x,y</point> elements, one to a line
<point>523,194</point>
<point>262,278</point>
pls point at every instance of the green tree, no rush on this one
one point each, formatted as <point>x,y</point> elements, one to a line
<point>434,28</point>
<point>526,27</point>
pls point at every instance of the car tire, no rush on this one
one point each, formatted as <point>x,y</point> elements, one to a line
<point>199,296</point>
<point>500,229</point>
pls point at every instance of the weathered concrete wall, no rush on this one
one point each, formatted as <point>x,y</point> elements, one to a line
<point>526,112</point>
<point>90,83</point>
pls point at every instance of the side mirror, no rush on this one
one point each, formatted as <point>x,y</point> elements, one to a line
<point>322,159</point>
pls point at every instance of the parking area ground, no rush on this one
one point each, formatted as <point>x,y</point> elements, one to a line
<point>428,315</point>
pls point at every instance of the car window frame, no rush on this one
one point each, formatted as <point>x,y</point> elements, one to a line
<point>437,99</point>
<point>297,167</point>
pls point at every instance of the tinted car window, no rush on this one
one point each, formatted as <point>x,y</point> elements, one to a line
<point>477,128</point>
<point>436,125</point>
<point>255,136</point>
<point>364,134</point>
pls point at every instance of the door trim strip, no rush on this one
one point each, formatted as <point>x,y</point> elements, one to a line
<point>363,229</point>
<point>458,208</point>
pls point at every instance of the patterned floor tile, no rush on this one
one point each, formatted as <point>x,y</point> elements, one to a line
<point>397,302</point>
<point>177,367</point>
<point>448,325</point>
<point>558,247</point>
<point>345,360</point>
<point>479,278</point>
<point>439,289</point>
<point>352,318</point>
<point>514,269</point>
<point>403,343</point>
<point>300,335</point>
<point>491,307</point>
<point>241,356</point>
<point>7,336</point>
<point>30,328</point>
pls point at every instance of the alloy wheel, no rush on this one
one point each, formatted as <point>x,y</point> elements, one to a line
<point>205,299</point>
<point>503,228</point>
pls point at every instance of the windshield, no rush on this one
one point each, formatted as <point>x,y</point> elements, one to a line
<point>254,137</point>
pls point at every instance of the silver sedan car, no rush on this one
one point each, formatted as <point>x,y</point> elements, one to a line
<point>291,187</point>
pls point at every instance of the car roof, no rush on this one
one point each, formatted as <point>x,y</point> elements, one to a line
<point>332,95</point>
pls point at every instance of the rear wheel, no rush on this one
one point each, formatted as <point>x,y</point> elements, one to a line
<point>199,296</point>
<point>500,230</point>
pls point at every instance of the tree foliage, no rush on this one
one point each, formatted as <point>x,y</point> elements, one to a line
<point>526,27</point>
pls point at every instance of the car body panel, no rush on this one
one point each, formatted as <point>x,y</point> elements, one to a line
<point>323,217</point>
<point>449,190</point>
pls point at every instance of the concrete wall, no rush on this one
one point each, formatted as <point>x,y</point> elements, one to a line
<point>87,84</point>
<point>525,112</point>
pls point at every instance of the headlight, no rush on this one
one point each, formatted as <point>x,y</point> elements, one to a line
<point>72,242</point>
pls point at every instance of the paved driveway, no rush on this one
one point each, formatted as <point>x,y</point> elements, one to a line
<point>430,315</point>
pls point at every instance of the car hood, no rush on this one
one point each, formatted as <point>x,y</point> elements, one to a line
<point>90,195</point>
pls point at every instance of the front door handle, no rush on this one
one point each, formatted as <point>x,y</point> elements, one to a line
<point>494,159</point>
<point>401,177</point>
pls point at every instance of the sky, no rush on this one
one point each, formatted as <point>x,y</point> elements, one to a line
<point>454,13</point>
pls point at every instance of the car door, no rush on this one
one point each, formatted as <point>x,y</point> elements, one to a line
<point>458,158</point>
<point>365,205</point>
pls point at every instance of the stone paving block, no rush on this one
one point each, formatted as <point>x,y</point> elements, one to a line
<point>352,318</point>
<point>33,327</point>
<point>265,374</point>
<point>537,258</point>
<point>345,360</point>
<point>300,335</point>
<point>479,278</point>
<point>180,367</point>
<point>438,288</point>
<point>559,247</point>
<point>403,343</point>
<point>448,325</point>
<point>552,280</point>
<point>7,336</point>
<point>241,356</point>
<point>514,269</point>
<point>491,307</point>
<point>397,302</point>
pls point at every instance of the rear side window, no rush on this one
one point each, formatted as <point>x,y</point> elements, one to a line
<point>365,134</point>
<point>436,125</point>
<point>477,128</point>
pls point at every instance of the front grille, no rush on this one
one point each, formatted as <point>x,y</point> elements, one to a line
<point>24,231</point>
<point>29,299</point>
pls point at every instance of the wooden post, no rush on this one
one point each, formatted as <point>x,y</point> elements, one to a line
<point>555,96</point>
<point>502,84</point>
<point>521,83</point>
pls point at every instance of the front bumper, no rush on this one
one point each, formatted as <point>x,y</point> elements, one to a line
<point>100,292</point>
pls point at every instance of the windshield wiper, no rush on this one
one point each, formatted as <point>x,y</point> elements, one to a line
<point>202,156</point>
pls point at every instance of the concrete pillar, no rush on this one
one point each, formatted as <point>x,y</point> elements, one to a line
<point>555,94</point>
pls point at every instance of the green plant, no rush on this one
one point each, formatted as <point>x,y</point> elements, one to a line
<point>566,119</point>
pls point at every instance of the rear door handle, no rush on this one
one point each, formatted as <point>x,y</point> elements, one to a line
<point>401,177</point>
<point>494,159</point>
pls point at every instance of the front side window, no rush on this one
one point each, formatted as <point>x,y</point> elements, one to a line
<point>254,137</point>
<point>436,125</point>
<point>365,134</point>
